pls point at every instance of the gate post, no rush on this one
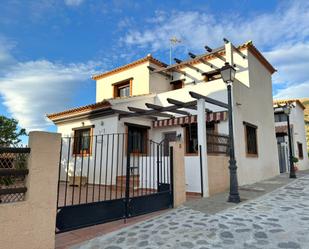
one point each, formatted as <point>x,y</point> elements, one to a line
<point>31,223</point>
<point>178,172</point>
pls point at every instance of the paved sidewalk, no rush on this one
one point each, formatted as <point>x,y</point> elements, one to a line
<point>279,219</point>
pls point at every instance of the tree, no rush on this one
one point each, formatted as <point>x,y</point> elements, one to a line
<point>9,131</point>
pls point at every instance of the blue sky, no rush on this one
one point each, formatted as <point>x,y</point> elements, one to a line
<point>50,48</point>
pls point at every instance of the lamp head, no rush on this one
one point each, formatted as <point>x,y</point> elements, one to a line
<point>228,73</point>
<point>286,110</point>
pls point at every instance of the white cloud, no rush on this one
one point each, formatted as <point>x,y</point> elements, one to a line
<point>292,62</point>
<point>5,51</point>
<point>294,91</point>
<point>73,2</point>
<point>288,22</point>
<point>33,88</point>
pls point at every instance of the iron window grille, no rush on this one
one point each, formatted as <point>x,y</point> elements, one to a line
<point>251,139</point>
<point>82,141</point>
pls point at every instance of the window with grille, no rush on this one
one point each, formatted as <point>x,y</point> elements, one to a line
<point>300,150</point>
<point>82,141</point>
<point>138,136</point>
<point>191,136</point>
<point>251,139</point>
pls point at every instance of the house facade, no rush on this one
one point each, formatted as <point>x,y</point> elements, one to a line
<point>305,102</point>
<point>148,84</point>
<point>298,134</point>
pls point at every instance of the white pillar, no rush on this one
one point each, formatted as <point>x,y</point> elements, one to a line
<point>202,142</point>
<point>229,53</point>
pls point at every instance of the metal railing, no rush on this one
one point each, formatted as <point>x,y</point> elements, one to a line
<point>13,171</point>
<point>100,172</point>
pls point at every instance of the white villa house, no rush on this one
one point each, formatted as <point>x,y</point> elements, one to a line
<point>297,130</point>
<point>129,99</point>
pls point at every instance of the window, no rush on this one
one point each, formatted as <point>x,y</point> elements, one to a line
<point>138,137</point>
<point>177,84</point>
<point>82,141</point>
<point>300,150</point>
<point>280,117</point>
<point>123,89</point>
<point>191,136</point>
<point>251,139</point>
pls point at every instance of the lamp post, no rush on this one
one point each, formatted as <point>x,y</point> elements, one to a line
<point>287,111</point>
<point>228,76</point>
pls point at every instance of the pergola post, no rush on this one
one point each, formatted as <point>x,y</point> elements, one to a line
<point>202,142</point>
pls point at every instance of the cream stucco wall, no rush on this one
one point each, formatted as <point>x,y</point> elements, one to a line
<point>31,223</point>
<point>140,82</point>
<point>253,104</point>
<point>143,82</point>
<point>218,173</point>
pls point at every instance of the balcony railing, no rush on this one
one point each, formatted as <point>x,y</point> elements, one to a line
<point>217,143</point>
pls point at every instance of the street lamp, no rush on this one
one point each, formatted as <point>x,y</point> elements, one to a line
<point>228,76</point>
<point>287,111</point>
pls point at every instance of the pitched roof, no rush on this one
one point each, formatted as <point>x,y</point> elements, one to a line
<point>289,101</point>
<point>100,105</point>
<point>130,65</point>
<point>248,45</point>
<point>221,51</point>
<point>103,105</point>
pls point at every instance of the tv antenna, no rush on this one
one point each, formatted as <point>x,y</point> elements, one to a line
<point>173,42</point>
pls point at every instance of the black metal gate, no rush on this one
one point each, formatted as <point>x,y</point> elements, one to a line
<point>112,176</point>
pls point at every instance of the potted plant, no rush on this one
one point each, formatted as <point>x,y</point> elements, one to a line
<point>295,160</point>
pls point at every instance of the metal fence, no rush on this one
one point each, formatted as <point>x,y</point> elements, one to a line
<point>109,177</point>
<point>217,143</point>
<point>100,173</point>
<point>13,171</point>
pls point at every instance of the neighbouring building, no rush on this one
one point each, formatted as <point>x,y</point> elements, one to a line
<point>305,102</point>
<point>149,84</point>
<point>298,134</point>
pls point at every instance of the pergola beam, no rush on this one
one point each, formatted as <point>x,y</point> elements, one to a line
<point>146,112</point>
<point>236,49</point>
<point>152,69</point>
<point>161,108</point>
<point>210,50</point>
<point>197,58</point>
<point>180,104</point>
<point>193,56</point>
<point>188,65</point>
<point>208,100</point>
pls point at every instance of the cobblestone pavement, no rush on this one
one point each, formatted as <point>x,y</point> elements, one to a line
<point>279,219</point>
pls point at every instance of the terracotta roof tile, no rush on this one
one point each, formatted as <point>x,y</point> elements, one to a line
<point>103,104</point>
<point>289,101</point>
<point>130,65</point>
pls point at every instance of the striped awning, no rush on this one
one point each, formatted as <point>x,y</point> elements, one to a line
<point>214,116</point>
